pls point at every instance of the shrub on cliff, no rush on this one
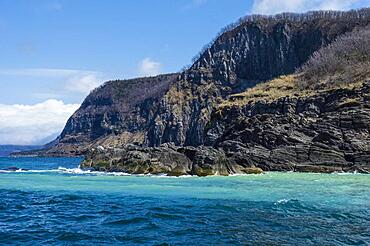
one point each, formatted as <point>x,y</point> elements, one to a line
<point>347,60</point>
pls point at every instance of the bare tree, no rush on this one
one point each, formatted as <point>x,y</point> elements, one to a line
<point>361,14</point>
<point>344,61</point>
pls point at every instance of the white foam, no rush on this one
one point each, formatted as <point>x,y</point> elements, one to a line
<point>346,173</point>
<point>246,175</point>
<point>27,171</point>
<point>282,201</point>
<point>62,170</point>
<point>169,177</point>
<point>80,171</point>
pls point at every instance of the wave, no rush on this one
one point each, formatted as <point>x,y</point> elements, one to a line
<point>285,201</point>
<point>79,171</point>
<point>27,171</point>
<point>347,173</point>
<point>281,201</point>
<point>246,174</point>
<point>63,170</point>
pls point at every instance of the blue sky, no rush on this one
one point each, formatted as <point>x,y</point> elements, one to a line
<point>112,38</point>
<point>55,51</point>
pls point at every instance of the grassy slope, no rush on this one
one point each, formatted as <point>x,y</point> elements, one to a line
<point>343,64</point>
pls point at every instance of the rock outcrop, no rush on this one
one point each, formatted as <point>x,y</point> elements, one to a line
<point>176,108</point>
<point>328,132</point>
<point>166,159</point>
<point>133,122</point>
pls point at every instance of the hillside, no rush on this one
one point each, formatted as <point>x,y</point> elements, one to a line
<point>113,114</point>
<point>204,105</point>
<point>176,108</point>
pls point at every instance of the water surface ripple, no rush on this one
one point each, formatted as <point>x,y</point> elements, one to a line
<point>65,206</point>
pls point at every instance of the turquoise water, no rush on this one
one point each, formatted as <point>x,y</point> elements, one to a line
<point>55,203</point>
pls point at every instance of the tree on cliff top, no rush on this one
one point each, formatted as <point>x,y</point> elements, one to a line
<point>347,60</point>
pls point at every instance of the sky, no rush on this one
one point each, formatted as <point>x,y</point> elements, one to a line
<point>54,52</point>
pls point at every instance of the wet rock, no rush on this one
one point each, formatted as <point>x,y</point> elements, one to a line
<point>173,161</point>
<point>252,170</point>
<point>14,169</point>
<point>208,161</point>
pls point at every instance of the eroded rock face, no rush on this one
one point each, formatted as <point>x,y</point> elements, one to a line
<point>324,133</point>
<point>329,132</point>
<point>116,107</point>
<point>166,159</point>
<point>177,108</point>
<point>240,58</point>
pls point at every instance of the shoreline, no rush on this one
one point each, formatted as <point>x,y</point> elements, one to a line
<point>79,171</point>
<point>177,169</point>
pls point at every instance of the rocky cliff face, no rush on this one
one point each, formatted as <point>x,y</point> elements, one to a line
<point>179,108</point>
<point>260,48</point>
<point>117,107</point>
<point>117,113</point>
<point>327,132</point>
<point>252,52</point>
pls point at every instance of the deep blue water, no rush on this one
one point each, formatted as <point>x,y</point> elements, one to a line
<point>51,205</point>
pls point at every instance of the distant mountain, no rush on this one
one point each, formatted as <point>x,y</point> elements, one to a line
<point>6,150</point>
<point>47,139</point>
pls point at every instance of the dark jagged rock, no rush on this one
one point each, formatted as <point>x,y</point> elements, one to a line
<point>166,159</point>
<point>14,169</point>
<point>176,108</point>
<point>324,132</point>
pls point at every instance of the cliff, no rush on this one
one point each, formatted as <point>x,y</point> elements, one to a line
<point>183,112</point>
<point>117,113</point>
<point>326,131</point>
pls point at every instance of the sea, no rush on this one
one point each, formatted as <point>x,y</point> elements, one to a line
<point>50,201</point>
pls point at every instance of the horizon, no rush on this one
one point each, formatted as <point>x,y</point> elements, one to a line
<point>44,80</point>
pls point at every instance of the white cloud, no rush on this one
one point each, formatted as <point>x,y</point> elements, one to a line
<point>80,81</point>
<point>148,67</point>
<point>30,124</point>
<point>278,6</point>
<point>83,83</point>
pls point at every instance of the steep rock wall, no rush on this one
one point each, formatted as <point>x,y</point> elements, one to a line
<point>177,108</point>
